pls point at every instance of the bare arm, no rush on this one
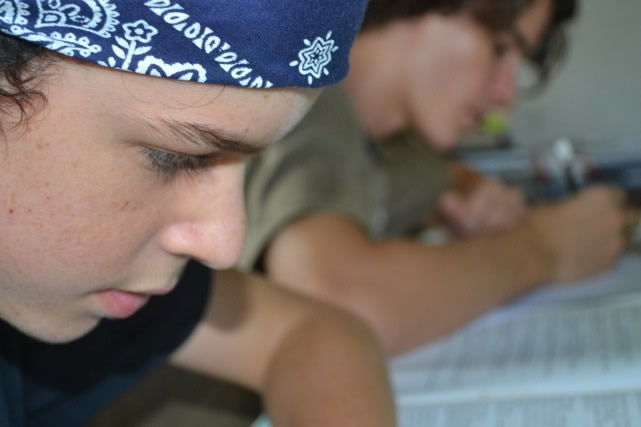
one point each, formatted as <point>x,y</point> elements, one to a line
<point>411,293</point>
<point>314,365</point>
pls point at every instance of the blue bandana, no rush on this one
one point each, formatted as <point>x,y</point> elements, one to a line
<point>251,43</point>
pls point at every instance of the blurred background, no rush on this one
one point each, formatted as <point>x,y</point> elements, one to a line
<point>597,94</point>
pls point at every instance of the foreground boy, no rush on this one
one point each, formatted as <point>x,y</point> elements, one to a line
<point>111,181</point>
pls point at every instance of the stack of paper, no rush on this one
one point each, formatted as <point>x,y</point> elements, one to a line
<point>564,356</point>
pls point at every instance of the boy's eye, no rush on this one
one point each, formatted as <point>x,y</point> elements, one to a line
<point>169,164</point>
<point>501,48</point>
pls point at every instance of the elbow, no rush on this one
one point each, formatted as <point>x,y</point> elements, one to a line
<point>346,279</point>
<point>357,295</point>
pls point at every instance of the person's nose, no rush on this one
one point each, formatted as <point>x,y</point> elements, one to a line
<point>208,218</point>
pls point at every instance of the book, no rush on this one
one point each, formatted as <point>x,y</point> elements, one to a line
<point>564,355</point>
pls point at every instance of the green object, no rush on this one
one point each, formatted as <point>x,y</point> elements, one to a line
<point>494,124</point>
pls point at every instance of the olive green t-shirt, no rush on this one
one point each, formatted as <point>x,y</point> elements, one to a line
<point>329,164</point>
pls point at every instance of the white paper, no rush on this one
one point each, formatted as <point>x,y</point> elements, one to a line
<point>578,346</point>
<point>621,409</point>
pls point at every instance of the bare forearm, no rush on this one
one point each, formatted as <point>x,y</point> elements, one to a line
<point>415,294</point>
<point>409,293</point>
<point>329,373</point>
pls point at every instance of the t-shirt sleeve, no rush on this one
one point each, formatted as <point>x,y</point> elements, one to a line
<point>416,176</point>
<point>318,167</point>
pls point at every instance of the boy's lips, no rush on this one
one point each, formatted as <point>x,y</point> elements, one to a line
<point>121,304</point>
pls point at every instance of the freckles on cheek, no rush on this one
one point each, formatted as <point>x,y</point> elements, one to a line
<point>91,236</point>
<point>108,235</point>
<point>78,218</point>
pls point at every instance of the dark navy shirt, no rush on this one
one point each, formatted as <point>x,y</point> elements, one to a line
<point>44,385</point>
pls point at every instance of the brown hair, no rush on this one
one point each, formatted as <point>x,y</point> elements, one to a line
<point>21,63</point>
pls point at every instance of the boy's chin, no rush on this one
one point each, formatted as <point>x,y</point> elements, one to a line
<point>60,332</point>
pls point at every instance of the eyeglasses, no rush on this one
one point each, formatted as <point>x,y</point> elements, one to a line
<point>513,38</point>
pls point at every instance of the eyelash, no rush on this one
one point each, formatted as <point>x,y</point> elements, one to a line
<point>170,164</point>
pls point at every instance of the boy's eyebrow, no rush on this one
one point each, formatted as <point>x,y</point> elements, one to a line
<point>202,134</point>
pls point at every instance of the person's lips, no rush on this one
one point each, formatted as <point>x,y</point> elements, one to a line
<point>121,304</point>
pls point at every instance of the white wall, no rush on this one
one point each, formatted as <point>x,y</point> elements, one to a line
<point>597,94</point>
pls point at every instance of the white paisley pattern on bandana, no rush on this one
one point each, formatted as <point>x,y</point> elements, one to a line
<point>314,59</point>
<point>149,40</point>
<point>206,40</point>
<point>94,17</point>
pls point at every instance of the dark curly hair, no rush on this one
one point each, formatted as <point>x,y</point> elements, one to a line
<point>498,16</point>
<point>21,63</point>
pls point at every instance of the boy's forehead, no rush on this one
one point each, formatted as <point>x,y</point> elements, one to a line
<point>247,43</point>
<point>186,110</point>
<point>227,119</point>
